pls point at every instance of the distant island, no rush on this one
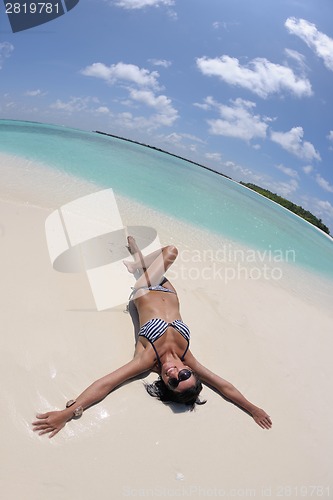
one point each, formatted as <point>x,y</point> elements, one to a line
<point>164,151</point>
<point>296,209</point>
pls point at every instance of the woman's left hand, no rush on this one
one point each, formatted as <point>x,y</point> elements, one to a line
<point>50,423</point>
<point>262,419</point>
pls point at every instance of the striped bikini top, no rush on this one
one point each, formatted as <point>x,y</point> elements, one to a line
<point>156,327</point>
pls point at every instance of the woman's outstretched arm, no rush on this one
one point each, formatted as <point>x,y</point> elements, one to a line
<point>230,392</point>
<point>52,422</point>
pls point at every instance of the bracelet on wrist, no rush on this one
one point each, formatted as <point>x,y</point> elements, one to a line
<point>78,411</point>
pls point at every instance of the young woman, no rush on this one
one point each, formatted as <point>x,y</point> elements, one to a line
<point>162,346</point>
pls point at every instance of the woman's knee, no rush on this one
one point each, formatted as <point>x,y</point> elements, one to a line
<point>170,252</point>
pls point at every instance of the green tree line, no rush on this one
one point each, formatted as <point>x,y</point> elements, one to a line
<point>297,209</point>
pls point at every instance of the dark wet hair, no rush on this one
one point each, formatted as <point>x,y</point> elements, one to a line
<point>188,397</point>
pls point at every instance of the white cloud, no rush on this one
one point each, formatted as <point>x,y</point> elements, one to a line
<point>242,173</point>
<point>284,189</point>
<point>260,76</point>
<point>122,72</point>
<point>141,86</point>
<point>237,120</point>
<point>214,156</point>
<point>173,138</point>
<point>205,106</point>
<point>320,43</point>
<point>297,57</point>
<point>323,183</point>
<point>181,143</point>
<point>160,62</point>
<point>75,104</point>
<point>292,141</point>
<point>324,208</point>
<point>11,105</point>
<point>288,171</point>
<point>223,25</point>
<point>217,25</point>
<point>307,169</point>
<point>34,93</point>
<point>330,136</point>
<point>140,4</point>
<point>177,138</point>
<point>6,50</point>
<point>192,137</point>
<point>138,123</point>
<point>167,114</point>
<point>103,110</point>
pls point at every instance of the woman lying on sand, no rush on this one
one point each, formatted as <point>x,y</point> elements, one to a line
<point>162,346</point>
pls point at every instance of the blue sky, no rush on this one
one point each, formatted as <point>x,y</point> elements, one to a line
<point>243,86</point>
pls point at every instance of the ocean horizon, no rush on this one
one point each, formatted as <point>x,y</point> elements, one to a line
<point>174,186</point>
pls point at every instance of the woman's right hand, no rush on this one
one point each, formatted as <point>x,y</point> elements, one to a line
<point>261,418</point>
<point>50,423</point>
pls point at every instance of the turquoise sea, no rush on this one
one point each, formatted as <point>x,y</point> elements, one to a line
<point>173,186</point>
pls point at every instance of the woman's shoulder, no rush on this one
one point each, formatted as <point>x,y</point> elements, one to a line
<point>190,360</point>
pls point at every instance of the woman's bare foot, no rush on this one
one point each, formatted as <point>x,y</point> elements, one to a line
<point>132,245</point>
<point>134,250</point>
<point>138,266</point>
<point>132,267</point>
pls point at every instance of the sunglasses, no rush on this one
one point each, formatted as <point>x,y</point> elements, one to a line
<point>182,375</point>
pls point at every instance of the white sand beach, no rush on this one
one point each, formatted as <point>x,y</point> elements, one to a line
<point>272,338</point>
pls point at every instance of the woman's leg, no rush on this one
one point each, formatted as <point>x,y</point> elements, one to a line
<point>151,267</point>
<point>141,263</point>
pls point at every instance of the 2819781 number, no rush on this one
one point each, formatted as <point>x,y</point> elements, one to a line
<point>32,8</point>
